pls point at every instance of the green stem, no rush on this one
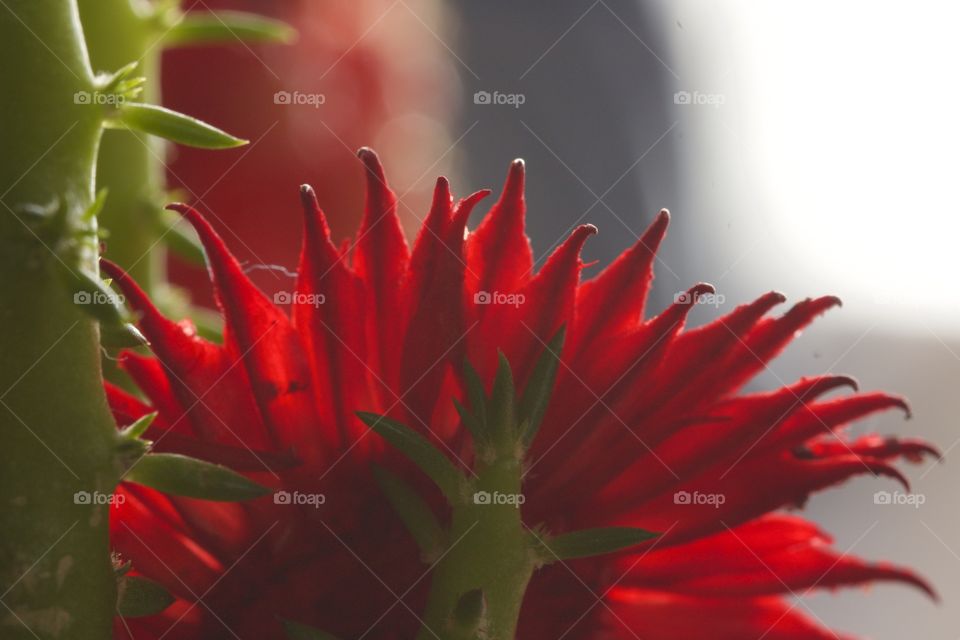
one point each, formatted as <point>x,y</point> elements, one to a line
<point>56,432</point>
<point>130,164</point>
<point>489,549</point>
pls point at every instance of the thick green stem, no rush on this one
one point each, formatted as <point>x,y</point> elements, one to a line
<point>130,164</point>
<point>56,433</point>
<point>489,549</point>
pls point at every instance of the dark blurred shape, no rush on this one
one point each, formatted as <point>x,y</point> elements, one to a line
<point>596,87</point>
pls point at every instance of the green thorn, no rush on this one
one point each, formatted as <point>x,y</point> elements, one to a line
<point>97,205</point>
<point>110,83</point>
<point>139,426</point>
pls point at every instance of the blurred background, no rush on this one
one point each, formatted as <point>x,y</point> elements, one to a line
<point>806,147</point>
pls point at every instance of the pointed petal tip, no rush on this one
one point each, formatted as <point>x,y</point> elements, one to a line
<point>308,196</point>
<point>190,214</point>
<point>465,207</point>
<point>314,220</point>
<point>905,407</point>
<point>924,586</point>
<point>848,381</point>
<point>579,237</point>
<point>879,468</point>
<point>515,176</point>
<point>776,297</point>
<point>442,189</point>
<point>477,196</point>
<point>658,228</point>
<point>179,207</point>
<point>826,383</point>
<point>372,162</point>
<point>699,289</point>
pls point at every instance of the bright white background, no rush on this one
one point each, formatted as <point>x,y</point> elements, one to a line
<point>831,167</point>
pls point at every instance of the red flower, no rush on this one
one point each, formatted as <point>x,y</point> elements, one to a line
<point>645,429</point>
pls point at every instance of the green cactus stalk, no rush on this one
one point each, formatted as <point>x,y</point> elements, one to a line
<point>63,453</point>
<point>56,433</point>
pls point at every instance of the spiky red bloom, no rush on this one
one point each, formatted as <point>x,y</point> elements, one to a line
<point>642,410</point>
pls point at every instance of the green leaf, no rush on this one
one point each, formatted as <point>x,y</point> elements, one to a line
<point>468,615</point>
<point>592,542</point>
<point>183,476</point>
<point>138,597</point>
<point>414,512</point>
<point>434,463</point>
<point>139,426</point>
<point>501,413</point>
<point>228,26</point>
<point>536,396</point>
<point>297,631</point>
<point>174,126</point>
<point>122,336</point>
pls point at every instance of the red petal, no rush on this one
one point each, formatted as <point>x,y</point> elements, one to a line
<point>498,251</point>
<point>613,301</point>
<point>260,336</point>
<point>328,315</point>
<point>380,261</point>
